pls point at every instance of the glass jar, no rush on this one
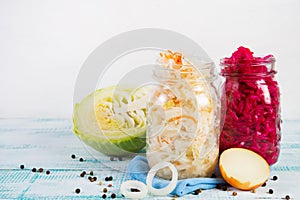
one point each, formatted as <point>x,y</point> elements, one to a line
<point>252,107</point>
<point>183,120</point>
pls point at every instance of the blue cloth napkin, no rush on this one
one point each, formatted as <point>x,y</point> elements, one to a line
<point>138,169</point>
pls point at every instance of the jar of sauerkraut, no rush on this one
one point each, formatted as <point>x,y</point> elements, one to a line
<point>251,104</point>
<point>183,117</point>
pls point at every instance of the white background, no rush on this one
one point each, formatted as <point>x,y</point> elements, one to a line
<point>44,43</point>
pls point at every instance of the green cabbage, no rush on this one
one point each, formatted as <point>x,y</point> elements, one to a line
<point>112,120</point>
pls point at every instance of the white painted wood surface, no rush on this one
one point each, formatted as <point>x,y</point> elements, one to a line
<point>49,143</point>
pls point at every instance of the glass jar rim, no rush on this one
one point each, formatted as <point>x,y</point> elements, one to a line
<point>207,68</point>
<point>254,62</point>
<point>201,66</point>
<point>249,75</point>
<point>267,61</point>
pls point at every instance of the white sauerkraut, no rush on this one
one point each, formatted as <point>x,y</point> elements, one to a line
<point>183,119</point>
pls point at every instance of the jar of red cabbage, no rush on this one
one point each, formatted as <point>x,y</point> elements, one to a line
<point>250,104</point>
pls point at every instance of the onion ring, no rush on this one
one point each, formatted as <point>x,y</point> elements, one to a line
<point>169,188</point>
<point>127,185</point>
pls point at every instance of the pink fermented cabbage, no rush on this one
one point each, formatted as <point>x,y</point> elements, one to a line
<point>251,103</point>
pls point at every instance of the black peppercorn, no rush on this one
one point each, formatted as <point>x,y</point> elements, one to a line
<point>77,190</point>
<point>274,178</point>
<point>104,196</point>
<point>22,166</point>
<point>224,188</point>
<point>33,170</point>
<point>287,197</point>
<point>271,191</point>
<point>95,178</point>
<point>73,156</point>
<point>91,173</point>
<point>106,179</point>
<point>47,172</point>
<point>113,195</point>
<point>110,178</point>
<point>41,170</point>
<point>264,185</point>
<point>80,159</point>
<point>196,192</point>
<point>234,193</point>
<point>104,190</point>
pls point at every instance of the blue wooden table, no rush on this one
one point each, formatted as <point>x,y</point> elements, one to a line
<point>49,144</point>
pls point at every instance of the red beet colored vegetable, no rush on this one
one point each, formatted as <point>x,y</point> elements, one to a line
<point>251,103</point>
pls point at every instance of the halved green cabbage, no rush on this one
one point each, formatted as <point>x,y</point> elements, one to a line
<point>112,120</point>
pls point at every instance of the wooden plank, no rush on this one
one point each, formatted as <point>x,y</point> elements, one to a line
<point>49,143</point>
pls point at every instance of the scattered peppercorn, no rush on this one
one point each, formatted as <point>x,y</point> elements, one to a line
<point>234,193</point>
<point>33,170</point>
<point>109,185</point>
<point>104,190</point>
<point>77,190</point>
<point>73,156</point>
<point>41,170</point>
<point>271,191</point>
<point>224,188</point>
<point>80,159</point>
<point>264,185</point>
<point>106,179</point>
<point>196,192</point>
<point>22,166</point>
<point>47,172</point>
<point>274,178</point>
<point>104,196</point>
<point>91,173</point>
<point>110,178</point>
<point>287,197</point>
<point>90,178</point>
<point>134,190</point>
<point>82,174</point>
<point>95,178</point>
<point>113,195</point>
